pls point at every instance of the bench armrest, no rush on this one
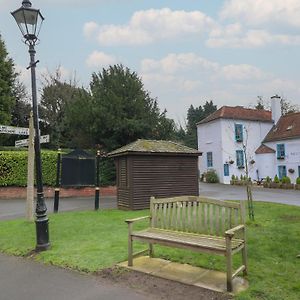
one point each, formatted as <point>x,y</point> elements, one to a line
<point>129,221</point>
<point>231,232</point>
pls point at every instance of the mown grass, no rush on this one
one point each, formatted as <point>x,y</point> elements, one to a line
<point>89,241</point>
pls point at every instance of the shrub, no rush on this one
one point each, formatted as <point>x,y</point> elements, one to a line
<point>212,177</point>
<point>298,180</point>
<point>276,179</point>
<point>286,179</point>
<point>268,179</point>
<point>13,168</point>
<point>232,177</point>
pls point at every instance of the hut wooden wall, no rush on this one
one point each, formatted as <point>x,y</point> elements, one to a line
<point>162,176</point>
<point>123,183</point>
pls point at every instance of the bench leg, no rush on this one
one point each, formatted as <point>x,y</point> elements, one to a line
<point>151,251</point>
<point>130,248</point>
<point>245,262</point>
<point>130,255</point>
<point>229,264</point>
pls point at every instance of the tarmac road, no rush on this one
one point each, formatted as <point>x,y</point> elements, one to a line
<point>230,192</point>
<point>15,208</point>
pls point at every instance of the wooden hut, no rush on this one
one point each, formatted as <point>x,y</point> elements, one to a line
<point>148,168</point>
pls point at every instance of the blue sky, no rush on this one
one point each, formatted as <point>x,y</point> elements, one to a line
<point>186,52</point>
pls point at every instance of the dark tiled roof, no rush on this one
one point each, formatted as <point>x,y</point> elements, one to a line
<point>154,147</point>
<point>287,127</point>
<point>262,149</point>
<point>239,113</point>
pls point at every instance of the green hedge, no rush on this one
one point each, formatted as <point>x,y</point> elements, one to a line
<point>13,168</point>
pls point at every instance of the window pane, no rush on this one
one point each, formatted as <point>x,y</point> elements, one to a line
<point>226,169</point>
<point>239,132</point>
<point>281,171</point>
<point>209,159</point>
<point>280,150</point>
<point>239,158</point>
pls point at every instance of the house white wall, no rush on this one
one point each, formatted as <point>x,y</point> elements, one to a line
<point>209,140</point>
<point>291,159</point>
<point>265,165</point>
<point>218,136</point>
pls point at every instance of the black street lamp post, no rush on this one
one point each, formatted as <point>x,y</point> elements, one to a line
<point>29,21</point>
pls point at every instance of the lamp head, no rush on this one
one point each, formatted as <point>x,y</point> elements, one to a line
<point>29,20</point>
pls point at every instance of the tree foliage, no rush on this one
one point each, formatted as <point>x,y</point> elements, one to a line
<point>123,111</point>
<point>195,115</point>
<point>13,107</point>
<point>57,98</point>
<point>7,80</point>
<point>287,106</point>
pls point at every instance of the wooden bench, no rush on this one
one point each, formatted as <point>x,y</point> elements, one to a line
<point>190,222</point>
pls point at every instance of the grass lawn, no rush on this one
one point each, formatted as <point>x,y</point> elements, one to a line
<point>89,241</point>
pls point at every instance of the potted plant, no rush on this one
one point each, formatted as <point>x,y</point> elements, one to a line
<point>276,183</point>
<point>252,161</point>
<point>231,161</point>
<point>286,183</point>
<point>267,182</point>
<point>291,170</point>
<point>297,185</point>
<point>233,180</point>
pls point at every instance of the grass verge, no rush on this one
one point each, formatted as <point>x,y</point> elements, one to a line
<point>89,241</point>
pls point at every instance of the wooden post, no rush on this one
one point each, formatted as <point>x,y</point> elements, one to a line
<point>229,263</point>
<point>30,172</point>
<point>130,249</point>
<point>57,184</point>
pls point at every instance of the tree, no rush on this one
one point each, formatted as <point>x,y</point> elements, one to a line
<point>123,111</point>
<point>246,158</point>
<point>287,106</point>
<point>57,98</point>
<point>195,115</point>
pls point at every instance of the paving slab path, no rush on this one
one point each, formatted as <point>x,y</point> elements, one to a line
<point>25,279</point>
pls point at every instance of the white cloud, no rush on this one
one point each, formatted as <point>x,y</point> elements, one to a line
<point>151,25</point>
<point>179,80</point>
<point>174,63</point>
<point>235,36</point>
<point>100,59</point>
<point>90,28</point>
<point>257,12</point>
<point>242,72</point>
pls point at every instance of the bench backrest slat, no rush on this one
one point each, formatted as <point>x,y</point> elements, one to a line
<point>195,214</point>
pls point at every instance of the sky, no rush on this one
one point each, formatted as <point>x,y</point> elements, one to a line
<point>186,52</point>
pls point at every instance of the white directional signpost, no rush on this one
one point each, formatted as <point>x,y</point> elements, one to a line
<point>14,130</point>
<point>30,166</point>
<point>24,143</point>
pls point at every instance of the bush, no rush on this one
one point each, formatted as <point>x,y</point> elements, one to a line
<point>286,179</point>
<point>268,179</point>
<point>276,179</point>
<point>298,180</point>
<point>211,176</point>
<point>13,168</point>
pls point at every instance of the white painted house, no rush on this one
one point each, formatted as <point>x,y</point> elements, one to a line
<point>233,138</point>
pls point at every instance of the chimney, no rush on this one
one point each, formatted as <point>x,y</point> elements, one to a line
<point>275,108</point>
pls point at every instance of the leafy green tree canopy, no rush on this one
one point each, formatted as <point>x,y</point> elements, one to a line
<point>123,110</point>
<point>195,115</point>
<point>7,80</point>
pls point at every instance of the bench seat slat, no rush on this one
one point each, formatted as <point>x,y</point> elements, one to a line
<point>194,240</point>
